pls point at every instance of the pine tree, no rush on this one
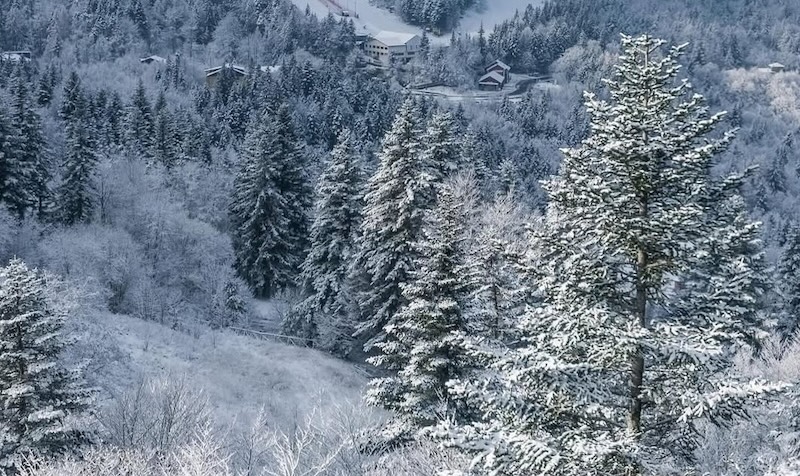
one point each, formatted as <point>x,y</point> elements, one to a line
<point>39,399</point>
<point>327,309</point>
<point>76,194</point>
<point>166,149</point>
<point>141,127</point>
<point>493,273</point>
<point>440,150</point>
<point>425,341</point>
<point>6,153</point>
<point>44,93</point>
<point>27,184</point>
<point>269,206</point>
<point>113,121</point>
<point>619,365</point>
<point>392,220</point>
<point>789,279</point>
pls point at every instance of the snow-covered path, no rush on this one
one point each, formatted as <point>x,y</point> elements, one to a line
<point>372,19</point>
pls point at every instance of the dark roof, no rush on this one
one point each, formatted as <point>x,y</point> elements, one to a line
<point>492,77</point>
<point>498,63</point>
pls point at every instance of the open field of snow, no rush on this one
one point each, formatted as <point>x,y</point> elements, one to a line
<point>239,375</point>
<point>372,19</point>
<point>492,12</point>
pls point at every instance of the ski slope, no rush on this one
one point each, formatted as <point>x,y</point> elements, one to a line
<point>372,19</point>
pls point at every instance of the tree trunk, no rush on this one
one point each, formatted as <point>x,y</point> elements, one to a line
<point>640,314</point>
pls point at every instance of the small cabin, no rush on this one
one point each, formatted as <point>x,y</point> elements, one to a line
<point>497,74</point>
<point>153,59</point>
<point>492,81</point>
<point>777,67</point>
<point>22,56</point>
<point>213,74</point>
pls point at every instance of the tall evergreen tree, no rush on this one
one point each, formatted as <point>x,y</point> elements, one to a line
<point>789,279</point>
<point>38,397</point>
<point>326,312</point>
<point>493,272</point>
<point>76,194</point>
<point>28,184</point>
<point>392,220</point>
<point>425,341</point>
<point>440,152</point>
<point>141,126</point>
<point>269,206</point>
<point>619,365</point>
<point>6,153</point>
<point>166,141</point>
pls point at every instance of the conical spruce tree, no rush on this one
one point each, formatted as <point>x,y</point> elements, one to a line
<point>619,366</point>
<point>76,194</point>
<point>789,286</point>
<point>326,314</point>
<point>39,399</point>
<point>29,186</point>
<point>6,153</point>
<point>425,341</point>
<point>392,220</point>
<point>141,125</point>
<point>269,206</point>
<point>440,147</point>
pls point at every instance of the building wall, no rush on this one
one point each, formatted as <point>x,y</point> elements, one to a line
<point>384,54</point>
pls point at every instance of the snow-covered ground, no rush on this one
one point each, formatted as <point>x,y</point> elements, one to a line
<point>492,12</point>
<point>372,19</point>
<point>239,375</point>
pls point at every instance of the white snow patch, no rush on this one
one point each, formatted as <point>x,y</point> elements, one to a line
<point>239,375</point>
<point>493,12</point>
<point>372,19</point>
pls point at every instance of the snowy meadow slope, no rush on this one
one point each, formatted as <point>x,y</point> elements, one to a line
<point>238,375</point>
<point>372,19</point>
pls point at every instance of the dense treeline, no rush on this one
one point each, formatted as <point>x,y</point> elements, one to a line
<point>434,238</point>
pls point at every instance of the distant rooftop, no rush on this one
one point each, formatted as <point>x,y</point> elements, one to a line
<point>15,56</point>
<point>492,77</point>
<point>235,67</point>
<point>499,63</point>
<point>152,58</point>
<point>392,38</point>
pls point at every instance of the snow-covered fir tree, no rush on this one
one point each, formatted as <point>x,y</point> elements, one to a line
<point>40,400</point>
<point>165,143</point>
<point>28,189</point>
<point>424,342</point>
<point>613,375</point>
<point>326,314</point>
<point>6,156</point>
<point>141,128</point>
<point>789,280</point>
<point>269,206</point>
<point>392,221</point>
<point>440,147</point>
<point>76,195</point>
<point>493,270</point>
<point>730,272</point>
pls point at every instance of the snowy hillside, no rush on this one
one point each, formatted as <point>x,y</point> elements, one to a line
<point>492,12</point>
<point>372,19</point>
<point>239,375</point>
